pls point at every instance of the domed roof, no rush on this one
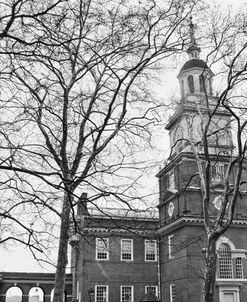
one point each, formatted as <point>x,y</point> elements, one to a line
<point>194,63</point>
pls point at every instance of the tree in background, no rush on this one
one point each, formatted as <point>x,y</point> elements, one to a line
<point>77,108</point>
<point>234,160</point>
<point>217,138</point>
<point>18,18</point>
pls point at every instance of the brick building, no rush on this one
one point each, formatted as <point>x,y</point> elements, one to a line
<point>116,259</point>
<point>182,236</point>
<point>120,255</point>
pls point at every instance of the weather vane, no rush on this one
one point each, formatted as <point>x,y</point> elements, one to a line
<point>193,50</point>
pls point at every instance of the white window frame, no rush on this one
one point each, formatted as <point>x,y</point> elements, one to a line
<point>172,290</point>
<point>170,246</point>
<point>154,290</point>
<point>146,250</point>
<point>78,292</point>
<point>239,268</point>
<point>225,261</point>
<point>237,272</point>
<point>98,248</point>
<point>219,172</point>
<point>107,292</point>
<point>131,249</point>
<point>233,290</point>
<point>132,293</point>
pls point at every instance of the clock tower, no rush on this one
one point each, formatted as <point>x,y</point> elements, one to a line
<point>182,236</point>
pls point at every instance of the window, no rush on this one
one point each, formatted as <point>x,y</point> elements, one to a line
<point>102,248</point>
<point>218,171</point>
<point>182,88</point>
<point>152,288</point>
<point>171,176</point>
<point>127,293</point>
<point>239,268</point>
<point>191,84</point>
<point>225,261</point>
<point>127,249</point>
<point>230,260</point>
<point>225,137</point>
<point>78,293</point>
<point>101,293</point>
<point>172,293</point>
<point>150,250</point>
<point>210,87</point>
<point>14,292</point>
<point>202,83</point>
<point>170,246</point>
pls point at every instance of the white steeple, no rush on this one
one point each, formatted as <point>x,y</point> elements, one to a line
<point>193,50</point>
<point>195,76</point>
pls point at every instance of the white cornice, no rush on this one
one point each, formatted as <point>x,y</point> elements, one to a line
<point>192,220</point>
<point>117,231</point>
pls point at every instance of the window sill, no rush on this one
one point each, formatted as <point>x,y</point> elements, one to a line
<point>173,191</point>
<point>229,281</point>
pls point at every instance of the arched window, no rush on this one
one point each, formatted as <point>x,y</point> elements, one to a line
<point>36,294</point>
<point>210,87</point>
<point>14,293</point>
<point>202,83</point>
<point>225,261</point>
<point>191,84</point>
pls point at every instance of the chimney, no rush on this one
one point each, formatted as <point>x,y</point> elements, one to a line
<point>82,205</point>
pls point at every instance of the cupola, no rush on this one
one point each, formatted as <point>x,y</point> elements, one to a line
<point>195,77</point>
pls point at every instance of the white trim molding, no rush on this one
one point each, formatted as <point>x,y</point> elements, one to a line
<point>226,240</point>
<point>229,290</point>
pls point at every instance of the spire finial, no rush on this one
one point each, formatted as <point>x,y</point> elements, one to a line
<point>192,32</point>
<point>193,50</point>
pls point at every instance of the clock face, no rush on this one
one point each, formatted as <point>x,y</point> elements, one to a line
<point>171,209</point>
<point>217,202</point>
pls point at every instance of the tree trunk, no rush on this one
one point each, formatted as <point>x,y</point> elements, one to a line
<point>210,271</point>
<point>62,259</point>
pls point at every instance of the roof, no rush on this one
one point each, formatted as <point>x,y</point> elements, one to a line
<point>194,63</point>
<point>150,213</point>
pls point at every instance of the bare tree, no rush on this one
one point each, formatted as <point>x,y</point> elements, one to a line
<point>219,123</point>
<point>223,136</point>
<point>20,17</point>
<point>77,106</point>
<point>231,188</point>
